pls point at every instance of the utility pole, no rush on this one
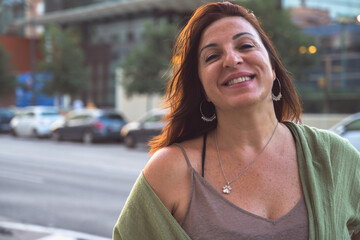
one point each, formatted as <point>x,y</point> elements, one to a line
<point>328,71</point>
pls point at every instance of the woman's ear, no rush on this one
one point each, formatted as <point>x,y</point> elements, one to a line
<point>274,74</point>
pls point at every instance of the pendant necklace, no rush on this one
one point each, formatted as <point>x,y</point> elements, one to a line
<point>226,189</point>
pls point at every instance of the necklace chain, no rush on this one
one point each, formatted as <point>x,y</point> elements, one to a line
<point>227,188</point>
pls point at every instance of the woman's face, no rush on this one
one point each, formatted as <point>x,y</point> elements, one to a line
<point>234,66</point>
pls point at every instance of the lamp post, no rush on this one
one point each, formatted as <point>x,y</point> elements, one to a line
<point>343,55</point>
<point>343,22</point>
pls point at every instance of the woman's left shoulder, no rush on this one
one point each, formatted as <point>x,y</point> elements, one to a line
<point>317,136</point>
<point>323,142</point>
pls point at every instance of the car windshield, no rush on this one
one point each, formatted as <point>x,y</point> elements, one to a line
<point>155,118</point>
<point>53,113</point>
<point>112,116</point>
<point>354,126</point>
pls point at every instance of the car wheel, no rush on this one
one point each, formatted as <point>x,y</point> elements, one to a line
<point>88,137</point>
<point>35,134</point>
<point>56,136</point>
<point>13,132</point>
<point>130,141</point>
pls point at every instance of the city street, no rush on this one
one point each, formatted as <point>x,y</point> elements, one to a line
<point>66,185</point>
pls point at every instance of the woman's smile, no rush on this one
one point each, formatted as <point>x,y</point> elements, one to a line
<point>237,78</point>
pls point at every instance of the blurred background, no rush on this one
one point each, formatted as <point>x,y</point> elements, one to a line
<point>77,72</point>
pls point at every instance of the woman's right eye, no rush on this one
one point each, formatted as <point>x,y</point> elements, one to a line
<point>210,57</point>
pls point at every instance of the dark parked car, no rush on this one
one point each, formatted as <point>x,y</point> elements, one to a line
<point>89,125</point>
<point>6,114</point>
<point>349,128</point>
<point>143,130</point>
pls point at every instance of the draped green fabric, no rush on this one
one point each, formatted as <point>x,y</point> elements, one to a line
<point>330,175</point>
<point>144,217</point>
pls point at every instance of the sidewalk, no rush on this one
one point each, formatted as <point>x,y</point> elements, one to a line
<point>18,231</point>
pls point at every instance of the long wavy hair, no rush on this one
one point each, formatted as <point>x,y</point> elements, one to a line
<point>185,92</point>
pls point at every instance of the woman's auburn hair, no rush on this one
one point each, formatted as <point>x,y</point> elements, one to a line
<point>185,92</point>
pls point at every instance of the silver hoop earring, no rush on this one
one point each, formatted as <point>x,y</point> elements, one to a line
<point>203,117</point>
<point>278,97</point>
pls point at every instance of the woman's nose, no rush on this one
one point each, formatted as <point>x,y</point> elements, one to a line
<point>232,58</point>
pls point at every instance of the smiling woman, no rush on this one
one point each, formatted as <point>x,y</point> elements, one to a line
<point>245,169</point>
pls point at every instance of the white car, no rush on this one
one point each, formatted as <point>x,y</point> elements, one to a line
<point>34,121</point>
<point>349,128</point>
<point>150,125</point>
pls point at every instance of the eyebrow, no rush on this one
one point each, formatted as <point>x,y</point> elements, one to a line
<point>233,38</point>
<point>240,34</point>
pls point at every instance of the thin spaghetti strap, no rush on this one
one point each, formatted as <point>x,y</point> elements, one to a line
<point>203,156</point>
<point>183,151</point>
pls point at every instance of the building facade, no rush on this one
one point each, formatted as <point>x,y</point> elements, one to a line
<point>109,31</point>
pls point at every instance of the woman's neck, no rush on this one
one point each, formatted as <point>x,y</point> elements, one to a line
<point>245,128</point>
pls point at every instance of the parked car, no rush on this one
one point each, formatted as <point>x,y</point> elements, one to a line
<point>143,130</point>
<point>349,128</point>
<point>89,125</point>
<point>34,121</point>
<point>6,114</point>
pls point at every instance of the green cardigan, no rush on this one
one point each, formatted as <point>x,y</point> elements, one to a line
<point>330,175</point>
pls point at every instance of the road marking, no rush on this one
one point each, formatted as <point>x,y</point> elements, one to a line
<point>56,233</point>
<point>56,237</point>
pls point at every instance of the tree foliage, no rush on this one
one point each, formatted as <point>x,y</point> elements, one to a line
<point>145,67</point>
<point>7,78</point>
<point>64,59</point>
<point>286,37</point>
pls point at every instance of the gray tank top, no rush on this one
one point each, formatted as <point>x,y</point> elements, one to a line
<point>211,216</point>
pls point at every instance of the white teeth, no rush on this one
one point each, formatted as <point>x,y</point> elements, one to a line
<point>237,80</point>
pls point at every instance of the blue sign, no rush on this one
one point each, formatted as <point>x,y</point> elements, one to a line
<point>29,90</point>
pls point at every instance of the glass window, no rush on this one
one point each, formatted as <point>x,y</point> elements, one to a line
<point>155,118</point>
<point>49,113</point>
<point>113,116</point>
<point>353,126</point>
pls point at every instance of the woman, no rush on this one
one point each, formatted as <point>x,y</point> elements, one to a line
<point>230,164</point>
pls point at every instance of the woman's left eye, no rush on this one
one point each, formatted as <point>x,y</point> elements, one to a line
<point>247,45</point>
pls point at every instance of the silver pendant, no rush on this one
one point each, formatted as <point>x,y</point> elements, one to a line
<point>226,189</point>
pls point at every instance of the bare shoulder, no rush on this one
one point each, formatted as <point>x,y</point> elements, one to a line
<point>169,162</point>
<point>165,163</point>
<point>168,173</point>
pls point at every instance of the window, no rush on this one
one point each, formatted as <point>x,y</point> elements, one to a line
<point>353,126</point>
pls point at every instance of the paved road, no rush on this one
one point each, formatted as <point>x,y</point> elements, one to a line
<point>66,185</point>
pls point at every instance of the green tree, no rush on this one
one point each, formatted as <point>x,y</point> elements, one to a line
<point>145,67</point>
<point>286,37</point>
<point>64,59</point>
<point>7,78</point>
